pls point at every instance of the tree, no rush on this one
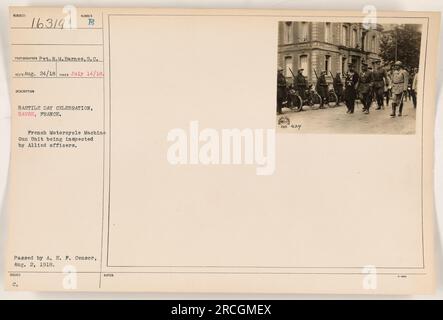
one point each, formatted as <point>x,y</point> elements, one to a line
<point>401,43</point>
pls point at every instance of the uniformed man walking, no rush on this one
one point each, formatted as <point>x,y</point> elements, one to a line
<point>380,78</point>
<point>399,88</point>
<point>350,93</point>
<point>322,88</point>
<point>414,87</point>
<point>281,89</point>
<point>388,89</point>
<point>365,87</point>
<point>338,87</point>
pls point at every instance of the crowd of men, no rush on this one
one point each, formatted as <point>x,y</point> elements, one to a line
<point>395,83</point>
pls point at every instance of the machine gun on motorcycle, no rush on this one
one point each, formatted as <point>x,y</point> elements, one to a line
<point>308,97</point>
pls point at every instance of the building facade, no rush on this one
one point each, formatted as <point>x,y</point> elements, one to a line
<point>329,46</point>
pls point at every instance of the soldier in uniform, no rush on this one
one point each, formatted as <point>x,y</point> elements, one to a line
<point>281,89</point>
<point>300,84</point>
<point>388,88</point>
<point>350,93</point>
<point>338,87</point>
<point>414,87</point>
<point>410,79</point>
<point>380,80</point>
<point>399,88</point>
<point>365,87</point>
<point>322,88</point>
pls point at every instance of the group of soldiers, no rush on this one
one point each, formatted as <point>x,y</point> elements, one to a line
<point>301,86</point>
<point>368,85</point>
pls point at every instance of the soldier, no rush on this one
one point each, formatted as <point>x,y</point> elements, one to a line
<point>411,74</point>
<point>300,84</point>
<point>414,88</point>
<point>281,89</point>
<point>350,93</point>
<point>322,88</point>
<point>399,88</point>
<point>388,88</point>
<point>365,87</point>
<point>338,87</point>
<point>380,80</point>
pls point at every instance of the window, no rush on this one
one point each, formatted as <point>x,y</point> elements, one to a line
<point>327,64</point>
<point>344,37</point>
<point>304,31</point>
<point>354,38</point>
<point>328,32</point>
<point>374,44</point>
<point>288,35</point>
<point>304,64</point>
<point>355,63</point>
<point>288,65</point>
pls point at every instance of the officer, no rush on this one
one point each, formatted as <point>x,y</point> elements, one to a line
<point>365,87</point>
<point>322,88</point>
<point>399,88</point>
<point>300,84</point>
<point>380,78</point>
<point>338,87</point>
<point>350,93</point>
<point>281,89</point>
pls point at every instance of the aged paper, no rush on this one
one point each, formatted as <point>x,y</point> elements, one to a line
<point>221,151</point>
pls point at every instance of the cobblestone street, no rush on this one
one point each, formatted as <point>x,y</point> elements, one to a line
<point>336,120</point>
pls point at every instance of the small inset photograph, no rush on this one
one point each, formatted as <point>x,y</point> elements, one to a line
<point>337,77</point>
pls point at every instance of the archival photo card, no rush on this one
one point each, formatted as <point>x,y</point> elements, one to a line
<point>147,155</point>
<point>341,77</point>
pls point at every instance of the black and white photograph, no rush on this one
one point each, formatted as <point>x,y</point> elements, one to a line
<point>339,77</point>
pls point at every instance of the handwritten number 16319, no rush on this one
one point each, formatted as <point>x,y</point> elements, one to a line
<point>50,23</point>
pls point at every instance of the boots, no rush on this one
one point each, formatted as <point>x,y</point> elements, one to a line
<point>400,109</point>
<point>394,106</point>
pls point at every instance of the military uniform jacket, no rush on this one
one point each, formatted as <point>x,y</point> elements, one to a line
<point>337,82</point>
<point>399,81</point>
<point>351,81</point>
<point>379,77</point>
<point>365,82</point>
<point>322,81</point>
<point>300,81</point>
<point>281,81</point>
<point>281,86</point>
